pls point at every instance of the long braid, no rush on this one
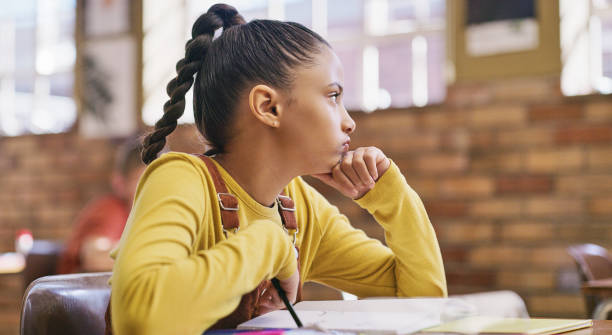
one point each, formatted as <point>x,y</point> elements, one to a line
<point>195,50</point>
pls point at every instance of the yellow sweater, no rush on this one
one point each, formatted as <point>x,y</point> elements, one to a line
<point>176,273</point>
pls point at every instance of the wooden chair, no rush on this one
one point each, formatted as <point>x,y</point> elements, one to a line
<point>593,262</point>
<point>66,304</point>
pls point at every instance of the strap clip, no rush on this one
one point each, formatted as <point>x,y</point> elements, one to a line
<point>226,196</point>
<point>225,231</point>
<point>289,202</point>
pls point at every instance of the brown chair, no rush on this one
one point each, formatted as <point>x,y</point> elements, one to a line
<point>593,262</point>
<point>41,260</point>
<point>66,304</point>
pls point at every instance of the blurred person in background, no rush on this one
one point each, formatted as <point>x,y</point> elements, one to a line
<point>99,225</point>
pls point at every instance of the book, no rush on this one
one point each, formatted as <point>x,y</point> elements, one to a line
<point>376,316</point>
<point>498,325</point>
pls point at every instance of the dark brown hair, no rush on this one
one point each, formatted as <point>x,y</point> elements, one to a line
<point>258,52</point>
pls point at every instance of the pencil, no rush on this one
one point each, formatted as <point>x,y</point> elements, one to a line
<point>283,296</point>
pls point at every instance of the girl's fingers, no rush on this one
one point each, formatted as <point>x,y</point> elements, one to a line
<point>345,185</point>
<point>360,167</point>
<point>358,171</point>
<point>370,161</point>
<point>270,301</point>
<point>346,165</point>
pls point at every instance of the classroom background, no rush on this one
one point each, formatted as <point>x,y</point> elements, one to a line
<point>498,112</point>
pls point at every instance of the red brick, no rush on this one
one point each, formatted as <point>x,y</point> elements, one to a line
<point>441,119</point>
<point>482,139</point>
<point>525,137</point>
<point>446,208</point>
<point>527,231</point>
<point>554,207</point>
<point>497,162</point>
<point>590,231</point>
<point>567,112</point>
<point>550,257</point>
<point>411,142</point>
<point>502,116</point>
<point>496,208</point>
<point>584,134</point>
<point>599,111</point>
<point>555,160</point>
<point>558,305</point>
<point>472,277</point>
<point>442,163</point>
<point>466,187</point>
<point>426,187</point>
<point>525,89</point>
<point>523,184</point>
<point>465,233</point>
<point>585,184</point>
<point>601,206</point>
<point>456,139</point>
<point>599,158</point>
<point>526,280</point>
<point>390,121</point>
<point>454,254</point>
<point>498,256</point>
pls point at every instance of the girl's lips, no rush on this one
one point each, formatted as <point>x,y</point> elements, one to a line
<point>345,147</point>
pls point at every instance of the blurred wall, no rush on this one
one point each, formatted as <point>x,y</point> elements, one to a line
<point>511,173</point>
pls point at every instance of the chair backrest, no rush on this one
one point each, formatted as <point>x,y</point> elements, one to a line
<point>41,260</point>
<point>593,261</point>
<point>66,304</point>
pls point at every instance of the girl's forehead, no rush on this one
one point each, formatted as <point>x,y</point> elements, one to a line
<point>326,68</point>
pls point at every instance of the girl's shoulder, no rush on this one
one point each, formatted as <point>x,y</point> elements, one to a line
<point>175,159</point>
<point>177,166</point>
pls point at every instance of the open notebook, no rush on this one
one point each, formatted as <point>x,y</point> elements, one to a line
<point>488,324</point>
<point>379,316</point>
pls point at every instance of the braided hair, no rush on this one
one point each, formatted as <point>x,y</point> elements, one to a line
<point>258,52</point>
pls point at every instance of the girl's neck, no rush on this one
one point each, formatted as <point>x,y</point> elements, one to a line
<point>261,173</point>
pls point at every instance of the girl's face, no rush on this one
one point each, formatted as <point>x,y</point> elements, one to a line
<point>316,126</point>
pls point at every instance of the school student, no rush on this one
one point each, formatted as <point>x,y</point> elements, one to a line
<point>206,233</point>
<point>100,223</point>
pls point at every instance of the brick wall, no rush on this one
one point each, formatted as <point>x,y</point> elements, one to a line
<point>511,173</point>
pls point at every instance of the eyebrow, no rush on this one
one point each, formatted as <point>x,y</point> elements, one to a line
<point>335,83</point>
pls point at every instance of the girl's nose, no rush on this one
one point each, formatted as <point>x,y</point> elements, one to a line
<point>348,124</point>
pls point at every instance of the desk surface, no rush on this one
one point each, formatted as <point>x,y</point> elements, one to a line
<point>600,327</point>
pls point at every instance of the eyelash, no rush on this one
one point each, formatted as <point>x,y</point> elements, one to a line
<point>335,96</point>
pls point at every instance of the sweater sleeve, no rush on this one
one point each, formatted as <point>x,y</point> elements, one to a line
<point>160,283</point>
<point>347,259</point>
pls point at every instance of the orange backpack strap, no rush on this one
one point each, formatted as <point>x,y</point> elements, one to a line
<point>228,204</point>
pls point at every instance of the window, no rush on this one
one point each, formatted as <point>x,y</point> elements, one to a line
<point>586,46</point>
<point>392,50</point>
<point>36,66</point>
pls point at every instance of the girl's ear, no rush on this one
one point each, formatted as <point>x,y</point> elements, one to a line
<point>264,103</point>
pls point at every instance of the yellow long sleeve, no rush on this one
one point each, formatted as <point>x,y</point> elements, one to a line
<point>164,281</point>
<point>176,272</point>
<point>347,259</point>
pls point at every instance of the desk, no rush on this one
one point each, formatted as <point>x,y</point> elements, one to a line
<point>11,263</point>
<point>601,288</point>
<point>600,327</point>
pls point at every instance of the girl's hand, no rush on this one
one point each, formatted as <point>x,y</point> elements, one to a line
<point>357,172</point>
<point>271,301</point>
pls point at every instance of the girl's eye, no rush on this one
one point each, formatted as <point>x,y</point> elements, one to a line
<point>334,97</point>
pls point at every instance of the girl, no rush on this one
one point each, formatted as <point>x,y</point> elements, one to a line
<point>205,234</point>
